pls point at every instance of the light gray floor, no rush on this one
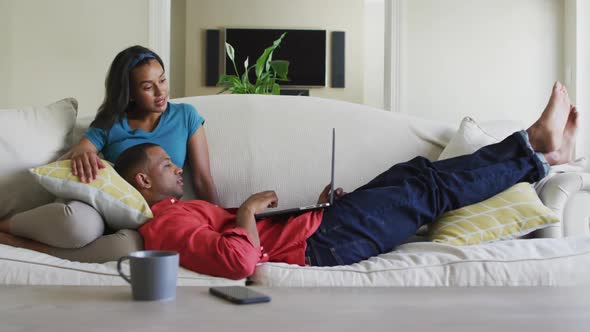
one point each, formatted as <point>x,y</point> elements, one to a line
<point>73,308</point>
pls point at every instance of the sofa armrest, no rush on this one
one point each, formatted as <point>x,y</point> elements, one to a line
<point>568,195</point>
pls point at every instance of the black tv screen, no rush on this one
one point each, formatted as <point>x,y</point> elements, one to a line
<point>304,49</point>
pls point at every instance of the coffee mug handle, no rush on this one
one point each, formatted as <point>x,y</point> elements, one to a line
<point>119,268</point>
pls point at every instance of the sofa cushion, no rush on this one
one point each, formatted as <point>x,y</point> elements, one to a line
<point>121,205</point>
<point>26,267</point>
<point>31,137</point>
<point>514,212</point>
<point>533,262</point>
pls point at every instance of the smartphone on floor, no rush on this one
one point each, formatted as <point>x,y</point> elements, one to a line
<point>239,294</point>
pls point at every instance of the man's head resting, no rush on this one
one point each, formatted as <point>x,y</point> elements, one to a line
<point>149,169</point>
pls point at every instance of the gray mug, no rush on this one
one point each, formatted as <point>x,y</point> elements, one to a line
<point>153,274</point>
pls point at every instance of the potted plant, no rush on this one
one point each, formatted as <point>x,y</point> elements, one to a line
<point>268,73</point>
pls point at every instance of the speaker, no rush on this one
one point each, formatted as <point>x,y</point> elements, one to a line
<point>338,63</point>
<point>212,57</point>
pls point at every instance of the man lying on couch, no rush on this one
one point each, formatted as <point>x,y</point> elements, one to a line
<point>371,220</point>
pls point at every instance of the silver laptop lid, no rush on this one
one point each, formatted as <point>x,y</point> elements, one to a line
<point>333,161</point>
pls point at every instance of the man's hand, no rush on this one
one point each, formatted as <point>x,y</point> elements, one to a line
<point>261,201</point>
<point>325,195</point>
<point>255,204</point>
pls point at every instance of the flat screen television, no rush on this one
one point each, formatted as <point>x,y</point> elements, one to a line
<point>304,49</point>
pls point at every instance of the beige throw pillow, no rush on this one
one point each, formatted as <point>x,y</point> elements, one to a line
<point>29,137</point>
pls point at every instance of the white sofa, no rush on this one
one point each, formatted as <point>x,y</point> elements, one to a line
<point>283,143</point>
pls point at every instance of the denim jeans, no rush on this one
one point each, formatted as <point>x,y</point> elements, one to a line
<point>382,214</point>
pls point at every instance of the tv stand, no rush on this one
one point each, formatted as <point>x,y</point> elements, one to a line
<point>295,92</point>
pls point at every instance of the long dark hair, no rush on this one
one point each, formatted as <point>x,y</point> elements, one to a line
<point>117,85</point>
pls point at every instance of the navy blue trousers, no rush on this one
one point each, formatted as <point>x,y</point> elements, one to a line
<point>385,212</point>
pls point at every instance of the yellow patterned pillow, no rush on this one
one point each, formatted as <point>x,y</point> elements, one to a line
<point>121,205</point>
<point>514,212</point>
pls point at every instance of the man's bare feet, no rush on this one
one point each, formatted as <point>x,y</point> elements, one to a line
<point>546,134</point>
<point>565,153</point>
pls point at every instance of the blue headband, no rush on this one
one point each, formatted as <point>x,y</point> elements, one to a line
<point>140,57</point>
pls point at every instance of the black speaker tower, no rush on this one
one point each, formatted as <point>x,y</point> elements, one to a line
<point>338,60</point>
<point>212,57</point>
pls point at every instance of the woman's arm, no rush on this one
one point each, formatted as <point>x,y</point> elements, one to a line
<point>198,154</point>
<point>85,160</point>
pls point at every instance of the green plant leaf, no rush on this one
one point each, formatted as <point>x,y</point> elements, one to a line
<point>268,61</point>
<point>263,78</point>
<point>263,61</point>
<point>276,89</point>
<point>275,45</point>
<point>281,68</point>
<point>228,80</point>
<point>277,42</point>
<point>239,90</point>
<point>250,87</point>
<point>261,82</point>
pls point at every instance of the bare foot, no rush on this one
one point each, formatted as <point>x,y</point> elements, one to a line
<point>565,153</point>
<point>546,134</point>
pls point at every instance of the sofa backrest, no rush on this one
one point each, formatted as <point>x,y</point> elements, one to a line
<point>283,143</point>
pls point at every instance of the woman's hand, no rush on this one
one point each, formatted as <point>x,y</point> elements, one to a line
<point>85,165</point>
<point>325,195</point>
<point>85,160</point>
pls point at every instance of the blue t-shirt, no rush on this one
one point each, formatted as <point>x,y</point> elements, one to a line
<point>177,125</point>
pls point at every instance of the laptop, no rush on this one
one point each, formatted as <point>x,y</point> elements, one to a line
<point>299,210</point>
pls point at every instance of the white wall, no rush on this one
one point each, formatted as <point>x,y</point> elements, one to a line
<point>491,59</point>
<point>583,74</point>
<point>178,48</point>
<point>373,53</point>
<point>62,48</point>
<point>332,15</point>
<point>487,58</point>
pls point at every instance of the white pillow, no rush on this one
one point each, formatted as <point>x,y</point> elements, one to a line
<point>468,139</point>
<point>472,136</point>
<point>29,137</point>
<point>121,205</point>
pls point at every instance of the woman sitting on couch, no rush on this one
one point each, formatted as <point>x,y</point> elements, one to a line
<point>135,110</point>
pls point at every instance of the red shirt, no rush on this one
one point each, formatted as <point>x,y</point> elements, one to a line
<point>208,241</point>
